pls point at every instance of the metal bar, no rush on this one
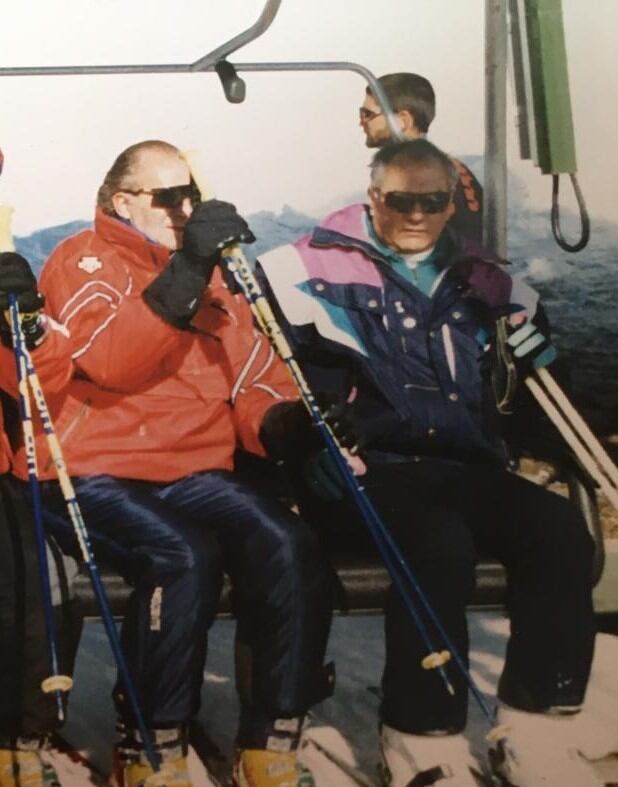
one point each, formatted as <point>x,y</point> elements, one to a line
<point>495,202</point>
<point>188,68</point>
<point>522,84</point>
<point>242,39</point>
<point>35,71</point>
<point>334,65</point>
<point>205,63</point>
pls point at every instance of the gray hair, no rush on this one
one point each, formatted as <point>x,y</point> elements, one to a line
<point>413,151</point>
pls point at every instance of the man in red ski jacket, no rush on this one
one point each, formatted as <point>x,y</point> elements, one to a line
<point>171,376</point>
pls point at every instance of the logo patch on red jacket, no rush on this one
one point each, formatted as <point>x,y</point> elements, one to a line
<point>90,264</point>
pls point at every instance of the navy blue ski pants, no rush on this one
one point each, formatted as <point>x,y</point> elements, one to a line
<point>443,515</point>
<point>172,542</point>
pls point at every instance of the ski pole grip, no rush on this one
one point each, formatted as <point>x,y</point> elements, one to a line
<point>6,238</point>
<point>196,168</point>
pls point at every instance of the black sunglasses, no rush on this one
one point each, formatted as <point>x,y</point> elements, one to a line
<point>170,197</point>
<point>367,114</point>
<point>406,201</point>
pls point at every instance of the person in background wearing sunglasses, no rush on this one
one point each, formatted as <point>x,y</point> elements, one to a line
<point>171,376</point>
<point>413,101</point>
<point>386,301</point>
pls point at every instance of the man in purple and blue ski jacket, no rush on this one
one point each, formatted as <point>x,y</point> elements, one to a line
<point>386,306</point>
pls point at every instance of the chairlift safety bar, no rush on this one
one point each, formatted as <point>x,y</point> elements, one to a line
<point>209,61</point>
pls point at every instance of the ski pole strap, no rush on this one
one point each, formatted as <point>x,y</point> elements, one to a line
<point>503,369</point>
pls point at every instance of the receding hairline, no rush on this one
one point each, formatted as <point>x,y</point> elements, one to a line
<point>123,172</point>
<point>158,150</point>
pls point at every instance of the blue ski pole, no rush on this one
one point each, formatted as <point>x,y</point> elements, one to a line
<point>394,560</point>
<point>56,682</point>
<point>81,533</point>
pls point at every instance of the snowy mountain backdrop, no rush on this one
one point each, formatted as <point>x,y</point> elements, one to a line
<point>579,290</point>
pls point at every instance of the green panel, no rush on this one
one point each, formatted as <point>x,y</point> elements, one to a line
<point>550,86</point>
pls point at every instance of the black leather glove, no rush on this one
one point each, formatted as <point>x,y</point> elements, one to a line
<point>176,293</point>
<point>531,348</point>
<point>288,434</point>
<point>17,278</point>
<point>516,352</point>
<point>343,419</point>
<point>212,226</point>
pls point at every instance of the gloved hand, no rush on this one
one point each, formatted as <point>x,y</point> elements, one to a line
<point>212,226</point>
<point>517,350</point>
<point>530,348</point>
<point>323,477</point>
<point>17,278</point>
<point>176,293</point>
<point>343,419</point>
<point>288,434</point>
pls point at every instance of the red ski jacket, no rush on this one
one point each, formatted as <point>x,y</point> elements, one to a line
<point>54,366</point>
<point>149,401</point>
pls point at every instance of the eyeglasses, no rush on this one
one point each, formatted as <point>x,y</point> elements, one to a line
<point>367,114</point>
<point>170,197</point>
<point>406,201</point>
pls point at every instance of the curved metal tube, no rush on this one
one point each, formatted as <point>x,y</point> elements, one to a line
<point>250,34</point>
<point>583,214</point>
<point>334,65</point>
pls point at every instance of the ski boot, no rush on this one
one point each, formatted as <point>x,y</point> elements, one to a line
<point>420,760</point>
<point>540,750</point>
<point>263,768</point>
<point>22,764</point>
<point>132,769</point>
<point>267,753</point>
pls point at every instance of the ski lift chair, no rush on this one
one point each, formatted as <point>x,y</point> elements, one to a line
<point>362,578</point>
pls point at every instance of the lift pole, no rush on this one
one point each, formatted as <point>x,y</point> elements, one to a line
<point>495,198</point>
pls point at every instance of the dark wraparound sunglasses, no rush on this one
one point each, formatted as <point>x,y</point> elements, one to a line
<point>170,197</point>
<point>406,201</point>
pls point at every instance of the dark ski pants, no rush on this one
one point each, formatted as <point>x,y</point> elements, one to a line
<point>25,658</point>
<point>443,514</point>
<point>172,542</point>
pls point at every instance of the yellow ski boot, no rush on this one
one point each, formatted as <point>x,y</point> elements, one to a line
<point>262,768</point>
<point>132,769</point>
<point>139,774</point>
<point>26,768</point>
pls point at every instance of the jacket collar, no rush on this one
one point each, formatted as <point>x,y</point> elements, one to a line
<point>117,232</point>
<point>478,271</point>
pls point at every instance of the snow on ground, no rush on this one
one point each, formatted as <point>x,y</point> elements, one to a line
<point>356,645</point>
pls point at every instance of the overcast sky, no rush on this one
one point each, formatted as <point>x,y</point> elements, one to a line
<point>295,139</point>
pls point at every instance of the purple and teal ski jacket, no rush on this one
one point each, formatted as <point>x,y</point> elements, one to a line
<point>418,361</point>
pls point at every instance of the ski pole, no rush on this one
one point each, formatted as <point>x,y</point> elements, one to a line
<point>572,439</point>
<point>55,683</point>
<point>83,541</point>
<point>579,425</point>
